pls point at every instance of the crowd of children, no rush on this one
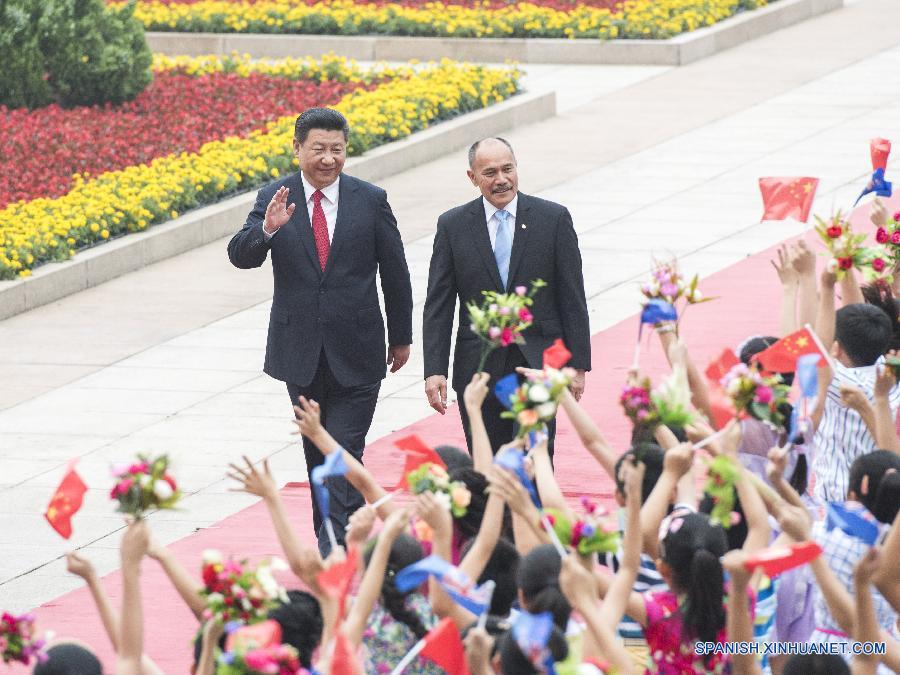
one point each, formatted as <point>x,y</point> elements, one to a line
<point>674,588</point>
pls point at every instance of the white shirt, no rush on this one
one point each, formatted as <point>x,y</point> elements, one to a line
<point>493,223</point>
<point>842,435</point>
<point>330,196</point>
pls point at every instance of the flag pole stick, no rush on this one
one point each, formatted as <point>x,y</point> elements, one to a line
<point>329,528</point>
<point>709,439</point>
<point>552,534</point>
<point>383,500</point>
<point>635,361</point>
<point>820,346</point>
<point>409,657</point>
<point>489,586</point>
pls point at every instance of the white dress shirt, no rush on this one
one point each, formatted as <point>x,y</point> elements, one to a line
<point>493,223</point>
<point>330,196</point>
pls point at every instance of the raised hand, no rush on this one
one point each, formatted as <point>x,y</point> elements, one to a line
<point>278,212</point>
<point>432,512</point>
<point>679,459</point>
<point>135,542</point>
<point>878,213</point>
<point>79,566</point>
<point>510,489</point>
<point>854,398</point>
<point>803,260</point>
<point>784,267</point>
<point>308,420</point>
<point>476,391</point>
<point>885,380</point>
<point>253,481</point>
<point>360,526</point>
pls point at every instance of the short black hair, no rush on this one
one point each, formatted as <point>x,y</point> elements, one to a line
<point>301,624</point>
<point>69,659</point>
<point>864,332</point>
<point>473,149</point>
<point>453,457</point>
<point>882,499</point>
<point>319,118</point>
<point>652,457</point>
<point>501,568</point>
<point>759,343</point>
<point>514,662</point>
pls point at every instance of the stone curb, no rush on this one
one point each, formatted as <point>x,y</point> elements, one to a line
<point>198,227</point>
<point>676,51</point>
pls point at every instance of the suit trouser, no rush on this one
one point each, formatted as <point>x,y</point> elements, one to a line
<point>346,413</point>
<point>500,430</point>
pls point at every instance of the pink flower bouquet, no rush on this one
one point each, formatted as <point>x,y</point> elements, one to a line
<point>18,643</point>
<point>144,485</point>
<point>667,284</point>
<point>587,534</point>
<point>252,651</point>
<point>501,318</point>
<point>847,251</point>
<point>752,393</point>
<point>234,591</point>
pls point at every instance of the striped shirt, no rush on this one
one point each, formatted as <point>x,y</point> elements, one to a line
<point>841,552</point>
<point>764,621</point>
<point>842,435</point>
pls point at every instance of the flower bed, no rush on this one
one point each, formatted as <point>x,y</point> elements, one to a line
<point>133,198</point>
<point>641,19</point>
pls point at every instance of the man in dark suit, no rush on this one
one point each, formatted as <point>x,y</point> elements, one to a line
<point>502,240</point>
<point>326,331</point>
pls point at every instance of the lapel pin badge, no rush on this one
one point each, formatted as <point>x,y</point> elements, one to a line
<point>524,226</point>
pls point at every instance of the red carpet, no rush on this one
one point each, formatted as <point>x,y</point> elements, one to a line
<point>748,294</point>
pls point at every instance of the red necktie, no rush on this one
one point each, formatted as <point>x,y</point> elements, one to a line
<point>320,228</point>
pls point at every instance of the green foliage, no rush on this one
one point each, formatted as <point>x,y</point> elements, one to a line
<point>74,52</point>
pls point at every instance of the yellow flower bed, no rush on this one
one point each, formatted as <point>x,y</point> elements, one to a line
<point>132,199</point>
<point>641,19</point>
<point>329,67</point>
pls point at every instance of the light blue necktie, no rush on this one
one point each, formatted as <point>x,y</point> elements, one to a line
<point>502,244</point>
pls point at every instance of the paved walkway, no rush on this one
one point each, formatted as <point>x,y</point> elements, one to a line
<point>649,160</point>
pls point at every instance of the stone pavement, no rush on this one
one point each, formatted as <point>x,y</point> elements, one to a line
<point>649,160</point>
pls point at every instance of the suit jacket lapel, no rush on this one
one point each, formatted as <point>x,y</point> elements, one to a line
<point>344,220</point>
<point>300,220</point>
<point>519,237</point>
<point>482,239</point>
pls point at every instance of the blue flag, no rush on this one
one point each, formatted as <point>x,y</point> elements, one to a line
<point>334,465</point>
<point>808,374</point>
<point>453,580</point>
<point>514,460</point>
<point>876,184</point>
<point>532,633</point>
<point>852,521</point>
<point>657,311</point>
<point>505,388</point>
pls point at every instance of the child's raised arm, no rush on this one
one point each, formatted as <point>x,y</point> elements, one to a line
<point>589,434</point>
<point>473,397</point>
<point>739,623</point>
<point>676,463</point>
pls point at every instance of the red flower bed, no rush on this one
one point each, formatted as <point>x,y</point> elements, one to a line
<point>176,113</point>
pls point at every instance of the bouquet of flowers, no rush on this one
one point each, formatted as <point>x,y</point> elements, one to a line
<point>722,475</point>
<point>452,495</point>
<point>760,397</point>
<point>669,404</point>
<point>534,402</point>
<point>587,534</point>
<point>235,592</point>
<point>18,643</point>
<point>144,485</point>
<point>501,318</point>
<point>278,660</point>
<point>667,284</point>
<point>847,250</point>
<point>889,255</point>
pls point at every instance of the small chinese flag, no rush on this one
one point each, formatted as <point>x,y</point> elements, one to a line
<point>66,501</point>
<point>417,453</point>
<point>257,636</point>
<point>777,559</point>
<point>719,368</point>
<point>556,355</point>
<point>336,580</point>
<point>782,356</point>
<point>343,661</point>
<point>880,149</point>
<point>444,647</point>
<point>787,197</point>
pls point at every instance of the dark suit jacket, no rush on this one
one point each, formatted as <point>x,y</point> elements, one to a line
<point>336,309</point>
<point>545,246</point>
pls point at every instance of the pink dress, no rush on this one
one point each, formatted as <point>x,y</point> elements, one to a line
<point>672,654</point>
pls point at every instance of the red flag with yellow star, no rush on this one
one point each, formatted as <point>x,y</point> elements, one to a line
<point>782,356</point>
<point>787,197</point>
<point>65,502</point>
